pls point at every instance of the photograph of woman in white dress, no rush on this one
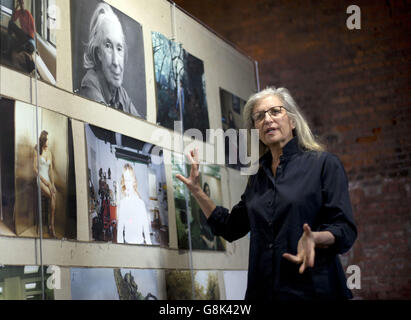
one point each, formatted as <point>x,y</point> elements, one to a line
<point>45,171</point>
<point>133,222</point>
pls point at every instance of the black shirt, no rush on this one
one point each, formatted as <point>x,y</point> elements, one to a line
<point>309,187</point>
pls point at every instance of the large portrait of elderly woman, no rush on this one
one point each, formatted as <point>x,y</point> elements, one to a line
<point>127,189</point>
<point>38,188</point>
<point>108,57</point>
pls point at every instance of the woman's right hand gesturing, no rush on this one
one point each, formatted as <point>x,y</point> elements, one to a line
<point>193,180</point>
<point>193,184</point>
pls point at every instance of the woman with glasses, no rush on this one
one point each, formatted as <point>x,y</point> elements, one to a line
<point>296,207</point>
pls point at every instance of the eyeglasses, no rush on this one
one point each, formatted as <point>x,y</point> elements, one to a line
<point>274,112</point>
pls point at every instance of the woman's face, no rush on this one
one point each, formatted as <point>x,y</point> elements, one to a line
<point>273,130</point>
<point>129,181</point>
<point>111,53</point>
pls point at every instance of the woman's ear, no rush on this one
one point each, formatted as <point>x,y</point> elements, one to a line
<point>292,122</point>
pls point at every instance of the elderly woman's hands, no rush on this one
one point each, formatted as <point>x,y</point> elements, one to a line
<point>193,184</point>
<point>305,250</point>
<point>306,247</point>
<point>193,181</point>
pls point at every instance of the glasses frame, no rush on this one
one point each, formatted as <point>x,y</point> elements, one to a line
<point>268,110</point>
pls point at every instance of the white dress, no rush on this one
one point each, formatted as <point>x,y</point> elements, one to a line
<point>44,168</point>
<point>132,221</point>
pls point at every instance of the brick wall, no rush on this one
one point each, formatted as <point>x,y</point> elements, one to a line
<point>354,87</point>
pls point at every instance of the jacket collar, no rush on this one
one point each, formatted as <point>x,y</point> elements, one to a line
<point>291,148</point>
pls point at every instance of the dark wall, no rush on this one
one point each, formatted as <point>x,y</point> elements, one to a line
<point>7,176</point>
<point>354,87</point>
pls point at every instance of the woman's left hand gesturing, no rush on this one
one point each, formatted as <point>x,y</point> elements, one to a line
<point>305,250</point>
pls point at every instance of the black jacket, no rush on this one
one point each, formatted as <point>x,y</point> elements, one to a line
<point>309,187</point>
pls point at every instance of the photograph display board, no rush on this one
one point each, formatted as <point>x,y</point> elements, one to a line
<point>120,216</point>
<point>28,37</point>
<point>232,118</point>
<point>188,210</point>
<point>180,86</point>
<point>179,285</point>
<point>108,57</point>
<point>20,167</point>
<point>127,189</point>
<point>23,283</point>
<point>114,284</point>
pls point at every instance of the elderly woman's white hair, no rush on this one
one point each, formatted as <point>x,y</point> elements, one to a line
<point>306,138</point>
<point>102,14</point>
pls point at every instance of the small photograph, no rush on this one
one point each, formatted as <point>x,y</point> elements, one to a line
<point>180,86</point>
<point>235,283</point>
<point>23,283</point>
<point>30,160</point>
<point>28,37</point>
<point>179,285</point>
<point>188,210</point>
<point>113,284</point>
<point>127,189</point>
<point>232,118</point>
<point>108,57</point>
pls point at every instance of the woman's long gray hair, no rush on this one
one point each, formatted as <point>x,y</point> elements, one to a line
<point>306,138</point>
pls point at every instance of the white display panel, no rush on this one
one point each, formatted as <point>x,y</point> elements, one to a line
<point>224,67</point>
